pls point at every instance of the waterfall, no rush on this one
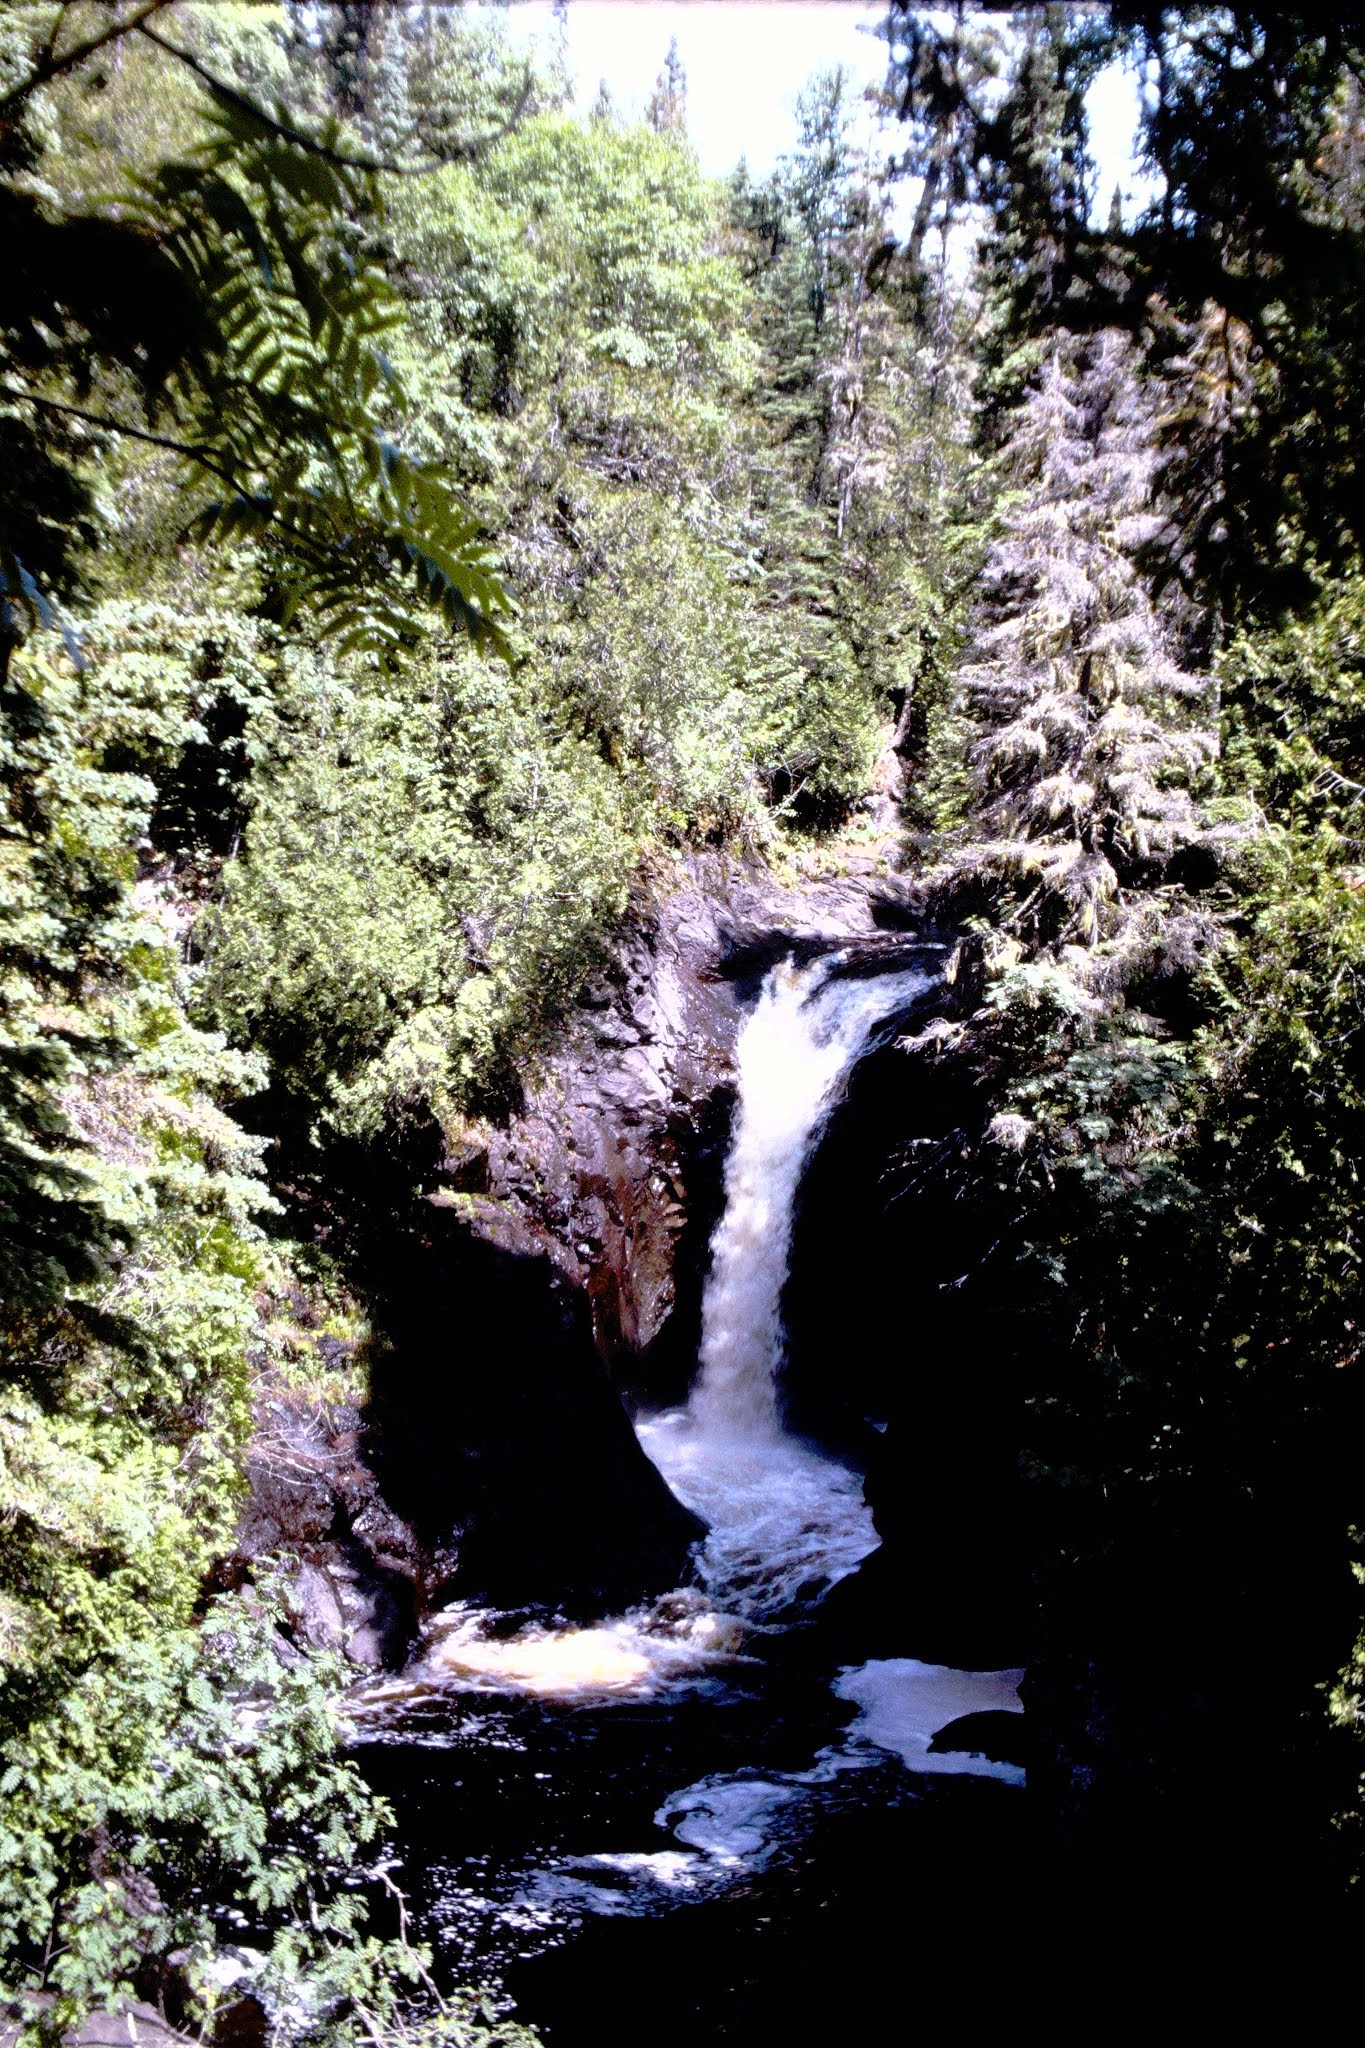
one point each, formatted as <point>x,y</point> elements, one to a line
<point>808,1030</point>
<point>785,1521</point>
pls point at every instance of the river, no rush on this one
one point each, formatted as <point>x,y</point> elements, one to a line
<point>697,1760</point>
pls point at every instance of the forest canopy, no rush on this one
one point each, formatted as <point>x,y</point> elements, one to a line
<point>428,501</point>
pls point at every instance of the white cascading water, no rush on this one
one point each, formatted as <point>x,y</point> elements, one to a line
<point>804,1035</point>
<point>784,1521</point>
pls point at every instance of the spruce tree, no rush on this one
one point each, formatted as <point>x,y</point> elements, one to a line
<point>667,110</point>
<point>1090,728</point>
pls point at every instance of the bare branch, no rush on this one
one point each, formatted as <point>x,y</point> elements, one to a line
<point>50,66</point>
<point>194,451</point>
<point>47,49</point>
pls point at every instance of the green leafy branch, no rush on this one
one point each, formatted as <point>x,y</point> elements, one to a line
<point>298,391</point>
<point>280,392</point>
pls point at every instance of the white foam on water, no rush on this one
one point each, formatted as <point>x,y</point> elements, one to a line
<point>905,1704</point>
<point>737,1821</point>
<point>731,1820</point>
<point>617,1884</point>
<point>730,1824</point>
<point>669,1867</point>
<point>675,1641</point>
<point>784,1522</point>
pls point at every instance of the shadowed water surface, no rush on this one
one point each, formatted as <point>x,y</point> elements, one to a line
<point>556,1782</point>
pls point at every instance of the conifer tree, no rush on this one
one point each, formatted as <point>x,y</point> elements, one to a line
<point>1037,266</point>
<point>1091,729</point>
<point>667,110</point>
<point>820,171</point>
<point>939,76</point>
<point>1209,404</point>
<point>603,108</point>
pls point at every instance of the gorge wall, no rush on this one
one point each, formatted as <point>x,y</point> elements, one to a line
<point>574,1239</point>
<point>550,1276</point>
<point>547,1281</point>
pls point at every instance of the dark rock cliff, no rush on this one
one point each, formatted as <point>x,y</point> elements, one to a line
<point>529,1279</point>
<point>599,1171</point>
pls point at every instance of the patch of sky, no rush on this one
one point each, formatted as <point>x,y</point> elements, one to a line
<point>1113,109</point>
<point>745,64</point>
<point>747,61</point>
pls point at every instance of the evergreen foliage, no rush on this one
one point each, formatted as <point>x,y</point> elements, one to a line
<point>274,693</point>
<point>1090,730</point>
<point>302,809</point>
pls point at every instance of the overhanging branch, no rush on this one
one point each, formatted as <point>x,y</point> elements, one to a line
<point>193,451</point>
<point>50,65</point>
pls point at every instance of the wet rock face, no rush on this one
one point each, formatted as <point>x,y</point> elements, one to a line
<point>614,1163</point>
<point>356,1573</point>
